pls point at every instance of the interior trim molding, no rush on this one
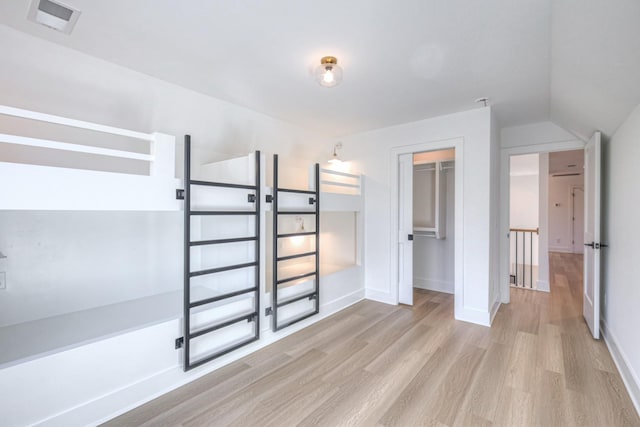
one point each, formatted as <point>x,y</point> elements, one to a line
<point>629,376</point>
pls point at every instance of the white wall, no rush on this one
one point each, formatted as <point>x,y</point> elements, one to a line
<point>59,261</point>
<point>46,77</point>
<point>433,259</point>
<point>524,190</point>
<point>43,76</point>
<point>374,151</point>
<point>560,209</point>
<point>495,234</point>
<point>524,200</point>
<point>621,269</point>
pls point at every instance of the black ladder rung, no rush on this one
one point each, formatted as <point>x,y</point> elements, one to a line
<point>222,297</point>
<point>219,241</point>
<point>302,255</point>
<point>296,212</point>
<point>221,269</point>
<point>222,184</point>
<point>306,233</point>
<point>249,317</point>
<point>299,319</point>
<point>222,213</point>
<point>221,353</point>
<point>292,190</point>
<point>296,298</point>
<point>301,276</point>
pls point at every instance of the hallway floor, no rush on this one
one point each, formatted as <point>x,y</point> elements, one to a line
<point>374,364</point>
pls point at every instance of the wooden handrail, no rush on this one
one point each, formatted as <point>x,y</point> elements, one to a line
<point>526,230</point>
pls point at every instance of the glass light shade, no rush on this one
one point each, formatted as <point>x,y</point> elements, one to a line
<point>328,73</point>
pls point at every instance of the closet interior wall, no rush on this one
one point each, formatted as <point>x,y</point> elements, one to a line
<point>433,216</point>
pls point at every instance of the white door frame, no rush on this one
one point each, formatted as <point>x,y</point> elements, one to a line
<point>457,144</point>
<point>505,167</point>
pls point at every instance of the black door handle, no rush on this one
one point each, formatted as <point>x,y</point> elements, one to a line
<point>410,237</point>
<point>596,245</point>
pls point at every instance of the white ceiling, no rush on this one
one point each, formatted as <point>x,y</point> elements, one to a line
<point>403,61</point>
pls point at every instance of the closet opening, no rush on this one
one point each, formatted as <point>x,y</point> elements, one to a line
<point>427,211</point>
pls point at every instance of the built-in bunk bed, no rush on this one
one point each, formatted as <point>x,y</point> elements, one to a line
<point>118,352</point>
<point>316,240</point>
<point>28,187</point>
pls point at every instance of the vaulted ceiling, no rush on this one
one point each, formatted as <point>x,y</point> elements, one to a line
<point>575,62</point>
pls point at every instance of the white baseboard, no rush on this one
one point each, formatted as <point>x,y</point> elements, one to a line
<point>629,376</point>
<point>379,296</point>
<point>494,310</point>
<point>433,285</point>
<point>561,249</point>
<point>106,407</point>
<point>473,315</point>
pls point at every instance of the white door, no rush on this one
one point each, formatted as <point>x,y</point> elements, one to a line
<point>578,220</point>
<point>405,229</point>
<point>592,166</point>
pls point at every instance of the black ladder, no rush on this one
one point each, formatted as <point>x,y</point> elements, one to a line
<point>276,303</point>
<point>188,274</point>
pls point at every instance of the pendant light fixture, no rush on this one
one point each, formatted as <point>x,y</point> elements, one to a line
<point>328,73</point>
<point>335,159</point>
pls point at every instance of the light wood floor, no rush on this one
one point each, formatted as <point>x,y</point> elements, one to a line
<point>375,364</point>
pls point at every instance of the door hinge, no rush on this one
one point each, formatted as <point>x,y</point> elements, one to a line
<point>268,311</point>
<point>269,198</point>
<point>251,198</point>
<point>179,194</point>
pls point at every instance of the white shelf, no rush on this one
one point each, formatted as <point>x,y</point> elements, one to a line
<point>38,338</point>
<point>26,341</point>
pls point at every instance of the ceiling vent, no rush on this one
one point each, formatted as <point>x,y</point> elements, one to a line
<point>54,15</point>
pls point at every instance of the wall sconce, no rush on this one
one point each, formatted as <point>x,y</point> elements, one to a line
<point>335,159</point>
<point>328,73</point>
